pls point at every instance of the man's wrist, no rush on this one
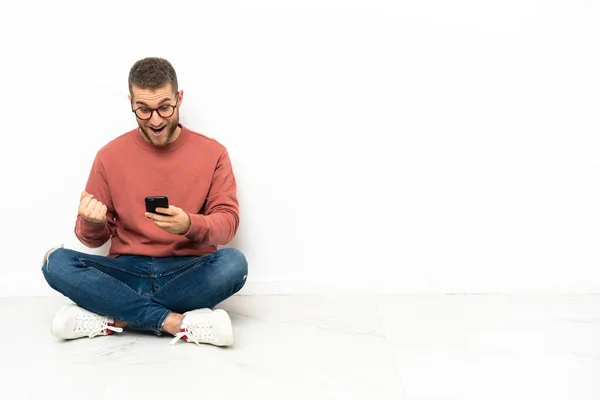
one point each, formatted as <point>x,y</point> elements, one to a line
<point>189,224</point>
<point>91,222</point>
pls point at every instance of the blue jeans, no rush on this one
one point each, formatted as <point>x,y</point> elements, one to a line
<point>141,290</point>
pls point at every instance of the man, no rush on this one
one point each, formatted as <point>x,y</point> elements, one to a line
<point>164,272</point>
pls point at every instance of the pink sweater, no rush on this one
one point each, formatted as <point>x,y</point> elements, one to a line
<point>194,172</point>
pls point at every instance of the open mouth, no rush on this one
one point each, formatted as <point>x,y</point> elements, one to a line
<point>157,131</point>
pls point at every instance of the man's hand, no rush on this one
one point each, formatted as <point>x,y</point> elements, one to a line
<point>91,209</point>
<point>177,221</point>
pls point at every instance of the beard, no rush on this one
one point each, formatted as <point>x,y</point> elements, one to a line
<point>167,135</point>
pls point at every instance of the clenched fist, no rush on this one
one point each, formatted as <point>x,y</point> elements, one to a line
<point>91,209</point>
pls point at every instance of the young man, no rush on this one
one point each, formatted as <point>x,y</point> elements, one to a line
<point>164,272</point>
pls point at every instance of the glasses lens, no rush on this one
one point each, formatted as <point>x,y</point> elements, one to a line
<point>166,111</point>
<point>143,113</point>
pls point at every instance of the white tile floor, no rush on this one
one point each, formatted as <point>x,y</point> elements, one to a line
<point>481,347</point>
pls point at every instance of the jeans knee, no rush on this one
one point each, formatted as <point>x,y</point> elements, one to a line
<point>50,257</point>
<point>54,264</point>
<point>235,261</point>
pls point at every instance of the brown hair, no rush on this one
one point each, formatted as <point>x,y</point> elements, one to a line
<point>152,73</point>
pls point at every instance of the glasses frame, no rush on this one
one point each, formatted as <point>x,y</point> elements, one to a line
<point>156,109</point>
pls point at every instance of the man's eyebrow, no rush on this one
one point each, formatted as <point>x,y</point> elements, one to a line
<point>162,101</point>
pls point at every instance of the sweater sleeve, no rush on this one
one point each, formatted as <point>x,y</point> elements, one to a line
<point>218,220</point>
<point>96,234</point>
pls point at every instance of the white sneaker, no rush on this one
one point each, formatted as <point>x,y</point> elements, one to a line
<point>72,322</point>
<point>206,326</point>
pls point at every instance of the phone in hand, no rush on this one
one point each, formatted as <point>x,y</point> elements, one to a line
<point>156,201</point>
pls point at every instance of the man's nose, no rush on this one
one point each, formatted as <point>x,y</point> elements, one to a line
<point>155,119</point>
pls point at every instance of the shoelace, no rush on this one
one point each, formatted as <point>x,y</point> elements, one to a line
<point>196,331</point>
<point>94,325</point>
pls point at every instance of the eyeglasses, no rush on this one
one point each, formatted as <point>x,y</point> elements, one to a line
<point>165,111</point>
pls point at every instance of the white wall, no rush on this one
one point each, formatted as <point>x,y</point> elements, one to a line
<point>378,145</point>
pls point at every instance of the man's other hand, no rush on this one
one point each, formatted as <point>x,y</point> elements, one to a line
<point>91,209</point>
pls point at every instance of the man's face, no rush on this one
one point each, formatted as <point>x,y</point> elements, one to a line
<point>158,130</point>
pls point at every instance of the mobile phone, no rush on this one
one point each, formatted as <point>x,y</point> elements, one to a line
<point>156,201</point>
